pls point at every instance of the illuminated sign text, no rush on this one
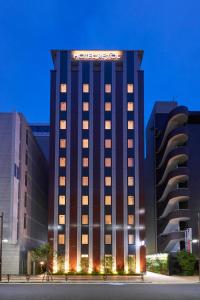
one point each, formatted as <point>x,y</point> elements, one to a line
<point>96,55</point>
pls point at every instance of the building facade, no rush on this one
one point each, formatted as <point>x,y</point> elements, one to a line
<point>23,193</point>
<point>172,169</point>
<point>41,132</point>
<point>96,203</point>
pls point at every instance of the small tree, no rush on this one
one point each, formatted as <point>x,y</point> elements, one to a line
<point>61,263</point>
<point>187,262</point>
<point>84,264</point>
<point>131,263</point>
<point>43,255</point>
<point>108,263</point>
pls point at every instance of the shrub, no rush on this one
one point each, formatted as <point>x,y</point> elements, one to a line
<point>187,262</point>
<point>121,272</point>
<point>95,273</point>
<point>157,263</point>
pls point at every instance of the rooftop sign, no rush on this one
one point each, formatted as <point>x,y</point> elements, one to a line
<point>96,55</point>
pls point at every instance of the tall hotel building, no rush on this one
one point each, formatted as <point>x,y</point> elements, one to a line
<point>96,205</point>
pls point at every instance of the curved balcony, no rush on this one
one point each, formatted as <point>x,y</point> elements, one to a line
<point>180,174</point>
<point>173,198</point>
<point>177,117</point>
<point>176,138</point>
<point>178,155</point>
<point>168,241</point>
<point>173,218</point>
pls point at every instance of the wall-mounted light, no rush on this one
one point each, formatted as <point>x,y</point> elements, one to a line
<point>4,241</point>
<point>195,241</point>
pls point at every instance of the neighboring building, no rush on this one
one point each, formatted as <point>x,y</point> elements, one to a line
<point>172,178</point>
<point>96,159</point>
<point>41,133</point>
<point>23,193</point>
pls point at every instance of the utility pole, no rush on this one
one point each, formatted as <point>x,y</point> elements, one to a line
<point>199,241</point>
<point>1,242</point>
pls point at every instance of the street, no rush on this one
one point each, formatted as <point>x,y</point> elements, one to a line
<point>99,291</point>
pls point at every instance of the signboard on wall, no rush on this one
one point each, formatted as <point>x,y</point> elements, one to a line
<point>188,240</point>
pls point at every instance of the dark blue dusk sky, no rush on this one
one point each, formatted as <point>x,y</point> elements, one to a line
<point>167,30</point>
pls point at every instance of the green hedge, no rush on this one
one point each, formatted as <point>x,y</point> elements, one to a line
<point>158,263</point>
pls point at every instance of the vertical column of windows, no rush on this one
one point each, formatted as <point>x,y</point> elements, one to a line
<point>85,166</point>
<point>108,160</point>
<point>25,178</point>
<point>62,166</point>
<point>130,171</point>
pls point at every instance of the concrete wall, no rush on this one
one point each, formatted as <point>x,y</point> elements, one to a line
<point>10,258</point>
<point>25,220</point>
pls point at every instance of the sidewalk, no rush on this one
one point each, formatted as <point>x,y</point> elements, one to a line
<point>149,278</point>
<point>164,279</point>
<point>72,279</point>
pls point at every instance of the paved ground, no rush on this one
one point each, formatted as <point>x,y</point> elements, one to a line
<point>115,291</point>
<point>148,278</point>
<point>158,278</point>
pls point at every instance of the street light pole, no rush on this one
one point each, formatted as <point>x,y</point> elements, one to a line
<point>199,241</point>
<point>1,242</point>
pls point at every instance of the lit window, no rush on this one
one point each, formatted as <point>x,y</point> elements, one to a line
<point>130,88</point>
<point>131,239</point>
<point>62,143</point>
<point>63,124</point>
<point>107,124</point>
<point>130,124</point>
<point>85,181</point>
<point>85,143</point>
<point>108,239</point>
<point>84,219</point>
<point>63,88</point>
<point>108,200</point>
<point>61,239</point>
<point>63,106</point>
<point>61,200</point>
<point>130,219</point>
<point>130,143</point>
<point>130,162</point>
<point>130,181</point>
<point>130,106</point>
<point>108,219</point>
<point>85,106</point>
<point>85,88</point>
<point>107,88</point>
<point>62,180</point>
<point>130,200</point>
<point>108,143</point>
<point>108,181</point>
<point>85,124</point>
<point>108,162</point>
<point>61,220</point>
<point>85,161</point>
<point>62,161</point>
<point>84,200</point>
<point>108,106</point>
<point>84,239</point>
